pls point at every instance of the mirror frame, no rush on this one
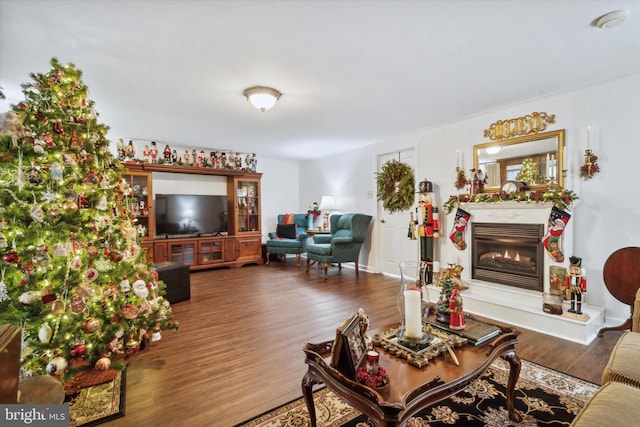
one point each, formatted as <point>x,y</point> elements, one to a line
<point>560,148</point>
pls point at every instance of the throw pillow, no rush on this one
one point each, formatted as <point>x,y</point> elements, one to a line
<point>286,231</point>
<point>288,219</point>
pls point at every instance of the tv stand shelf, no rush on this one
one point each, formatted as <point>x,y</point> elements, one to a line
<point>243,243</point>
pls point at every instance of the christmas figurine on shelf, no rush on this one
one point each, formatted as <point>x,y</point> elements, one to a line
<point>456,315</point>
<point>576,284</point>
<point>153,152</point>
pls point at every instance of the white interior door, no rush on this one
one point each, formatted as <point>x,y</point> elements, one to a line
<point>395,245</point>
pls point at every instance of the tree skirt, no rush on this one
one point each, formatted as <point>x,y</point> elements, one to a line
<point>543,396</point>
<point>100,402</point>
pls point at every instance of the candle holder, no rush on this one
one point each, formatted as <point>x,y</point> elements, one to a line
<point>590,166</point>
<point>411,332</point>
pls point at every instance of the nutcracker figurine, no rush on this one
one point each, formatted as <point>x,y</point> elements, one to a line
<point>576,284</point>
<point>428,228</point>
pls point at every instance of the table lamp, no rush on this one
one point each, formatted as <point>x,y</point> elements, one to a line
<point>326,204</point>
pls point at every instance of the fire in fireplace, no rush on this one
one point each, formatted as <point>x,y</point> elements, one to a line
<point>509,254</point>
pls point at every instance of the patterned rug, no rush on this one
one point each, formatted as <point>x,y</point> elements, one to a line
<point>98,403</point>
<point>543,396</point>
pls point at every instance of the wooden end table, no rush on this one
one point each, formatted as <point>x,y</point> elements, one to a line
<point>411,389</point>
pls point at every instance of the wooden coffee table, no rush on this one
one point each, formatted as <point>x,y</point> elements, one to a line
<point>411,389</point>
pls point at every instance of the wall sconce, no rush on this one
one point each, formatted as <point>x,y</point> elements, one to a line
<point>326,204</point>
<point>262,97</point>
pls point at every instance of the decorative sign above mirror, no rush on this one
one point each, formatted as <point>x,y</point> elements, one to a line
<point>537,159</point>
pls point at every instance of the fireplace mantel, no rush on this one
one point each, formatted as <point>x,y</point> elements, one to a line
<point>519,307</point>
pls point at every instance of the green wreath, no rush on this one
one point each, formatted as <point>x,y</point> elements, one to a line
<point>396,186</point>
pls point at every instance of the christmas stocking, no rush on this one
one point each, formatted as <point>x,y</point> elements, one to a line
<point>459,225</point>
<point>551,241</point>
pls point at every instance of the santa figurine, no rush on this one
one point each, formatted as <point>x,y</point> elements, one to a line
<point>456,316</point>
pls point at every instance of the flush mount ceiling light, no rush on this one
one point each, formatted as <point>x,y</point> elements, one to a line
<point>493,150</point>
<point>262,97</point>
<point>612,19</point>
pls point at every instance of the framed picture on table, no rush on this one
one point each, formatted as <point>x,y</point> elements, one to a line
<point>349,347</point>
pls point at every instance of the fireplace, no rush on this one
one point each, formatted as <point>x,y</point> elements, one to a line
<point>509,254</point>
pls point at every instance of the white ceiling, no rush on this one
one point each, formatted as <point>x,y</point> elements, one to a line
<point>352,73</point>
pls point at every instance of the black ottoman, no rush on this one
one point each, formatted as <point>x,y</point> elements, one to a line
<point>176,277</point>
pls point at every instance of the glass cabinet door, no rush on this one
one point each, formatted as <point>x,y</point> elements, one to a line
<point>248,198</point>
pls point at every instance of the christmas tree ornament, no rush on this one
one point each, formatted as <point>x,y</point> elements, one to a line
<point>11,257</point>
<point>3,241</point>
<point>70,206</point>
<point>77,304</point>
<point>125,286</point>
<point>140,289</point>
<point>37,214</point>
<point>552,241</point>
<point>78,350</point>
<point>59,250</point>
<point>29,297</point>
<point>90,275</point>
<point>129,311</point>
<point>54,213</point>
<point>45,333</point>
<point>90,325</point>
<point>4,295</point>
<point>57,366</point>
<point>92,251</point>
<point>132,347</point>
<point>103,364</point>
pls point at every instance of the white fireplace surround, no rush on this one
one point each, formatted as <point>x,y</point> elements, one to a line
<point>519,307</point>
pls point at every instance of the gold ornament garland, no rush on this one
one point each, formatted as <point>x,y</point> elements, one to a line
<point>396,186</point>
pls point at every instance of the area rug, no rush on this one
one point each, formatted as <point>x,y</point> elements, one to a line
<point>98,403</point>
<point>544,397</point>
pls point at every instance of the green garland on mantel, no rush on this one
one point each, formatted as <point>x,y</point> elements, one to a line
<point>562,198</point>
<point>396,186</point>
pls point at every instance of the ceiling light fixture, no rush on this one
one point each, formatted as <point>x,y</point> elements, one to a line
<point>612,19</point>
<point>262,97</point>
<point>493,150</point>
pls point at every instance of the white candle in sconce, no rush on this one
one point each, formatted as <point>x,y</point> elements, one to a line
<point>436,266</point>
<point>588,137</point>
<point>457,158</point>
<point>412,314</point>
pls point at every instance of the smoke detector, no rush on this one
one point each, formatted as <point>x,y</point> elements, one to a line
<point>612,19</point>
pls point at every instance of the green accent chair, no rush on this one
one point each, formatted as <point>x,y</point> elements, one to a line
<point>347,234</point>
<point>284,246</point>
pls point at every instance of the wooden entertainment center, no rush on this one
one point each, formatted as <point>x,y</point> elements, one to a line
<point>243,243</point>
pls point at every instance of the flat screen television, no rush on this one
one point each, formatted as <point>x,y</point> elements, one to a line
<point>182,215</point>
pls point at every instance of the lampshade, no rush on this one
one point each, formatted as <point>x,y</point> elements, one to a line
<point>262,97</point>
<point>327,203</point>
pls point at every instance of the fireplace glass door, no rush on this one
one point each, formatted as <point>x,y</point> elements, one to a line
<point>509,254</point>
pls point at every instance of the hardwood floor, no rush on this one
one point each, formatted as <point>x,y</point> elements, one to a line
<point>238,352</point>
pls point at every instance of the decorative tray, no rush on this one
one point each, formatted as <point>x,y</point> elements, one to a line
<point>418,357</point>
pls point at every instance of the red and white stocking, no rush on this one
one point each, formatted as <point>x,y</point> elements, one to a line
<point>552,241</point>
<point>459,226</point>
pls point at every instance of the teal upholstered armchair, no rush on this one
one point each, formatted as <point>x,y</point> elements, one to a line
<point>291,239</point>
<point>348,232</point>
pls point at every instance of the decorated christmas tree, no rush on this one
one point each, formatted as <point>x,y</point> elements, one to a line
<point>528,172</point>
<point>73,276</point>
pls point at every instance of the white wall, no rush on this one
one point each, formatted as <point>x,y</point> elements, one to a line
<point>608,215</point>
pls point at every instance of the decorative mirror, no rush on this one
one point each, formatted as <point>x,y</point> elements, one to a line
<point>537,160</point>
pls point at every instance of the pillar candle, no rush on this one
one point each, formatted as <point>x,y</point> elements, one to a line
<point>436,266</point>
<point>412,314</point>
<point>588,136</point>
